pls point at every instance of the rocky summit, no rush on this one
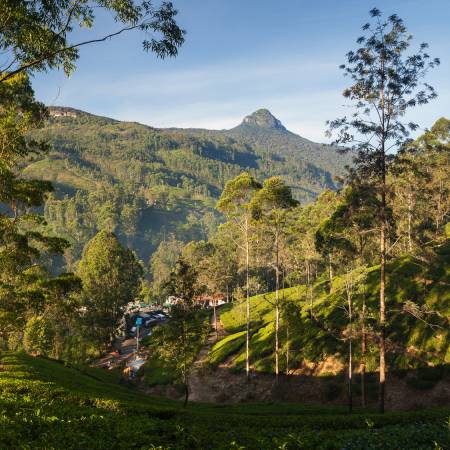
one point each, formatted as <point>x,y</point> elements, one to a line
<point>263,118</point>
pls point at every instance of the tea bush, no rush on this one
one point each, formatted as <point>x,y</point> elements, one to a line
<point>45,404</point>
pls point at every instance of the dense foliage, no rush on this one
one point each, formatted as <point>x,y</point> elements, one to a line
<point>39,35</point>
<point>111,279</point>
<point>416,332</point>
<point>358,274</point>
<point>43,310</point>
<point>30,296</point>
<point>45,404</point>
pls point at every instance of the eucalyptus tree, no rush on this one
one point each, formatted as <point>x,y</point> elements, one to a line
<point>353,287</point>
<point>235,203</point>
<point>41,35</point>
<point>420,175</point>
<point>409,179</point>
<point>387,82</point>
<point>220,267</point>
<point>348,232</point>
<point>302,242</point>
<point>270,206</point>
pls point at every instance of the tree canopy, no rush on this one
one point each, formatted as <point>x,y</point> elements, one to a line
<point>111,278</point>
<point>38,35</point>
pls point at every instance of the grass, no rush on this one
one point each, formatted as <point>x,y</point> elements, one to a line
<point>45,404</point>
<point>409,279</point>
<point>59,172</point>
<point>222,349</point>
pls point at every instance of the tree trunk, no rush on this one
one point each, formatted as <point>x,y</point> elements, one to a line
<point>330,270</point>
<point>186,394</point>
<point>215,319</point>
<point>287,347</point>
<point>382,316</point>
<point>185,368</point>
<point>287,330</point>
<point>383,228</point>
<point>350,349</point>
<point>241,302</point>
<point>277,308</point>
<point>438,209</point>
<point>363,353</point>
<point>409,222</point>
<point>247,339</point>
<point>308,284</point>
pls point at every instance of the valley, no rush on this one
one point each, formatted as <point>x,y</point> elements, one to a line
<point>145,184</point>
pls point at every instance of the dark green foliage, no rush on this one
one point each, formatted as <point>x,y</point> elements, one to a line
<point>47,405</point>
<point>174,346</point>
<point>37,36</point>
<point>28,291</point>
<point>111,278</point>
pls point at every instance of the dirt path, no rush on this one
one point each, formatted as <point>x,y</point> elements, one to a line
<point>220,385</point>
<point>198,389</point>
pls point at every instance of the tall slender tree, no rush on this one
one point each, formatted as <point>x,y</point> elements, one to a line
<point>349,231</point>
<point>387,82</point>
<point>270,206</point>
<point>235,204</point>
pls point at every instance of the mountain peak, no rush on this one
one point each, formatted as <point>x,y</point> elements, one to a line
<point>263,118</point>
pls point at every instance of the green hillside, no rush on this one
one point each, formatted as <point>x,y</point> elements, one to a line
<point>417,336</point>
<point>145,183</point>
<point>45,404</point>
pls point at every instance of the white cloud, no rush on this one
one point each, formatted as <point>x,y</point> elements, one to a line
<point>302,94</point>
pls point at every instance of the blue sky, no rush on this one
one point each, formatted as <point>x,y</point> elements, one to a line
<point>241,55</point>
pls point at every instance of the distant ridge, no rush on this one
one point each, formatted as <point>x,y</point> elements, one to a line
<point>148,183</point>
<point>259,131</point>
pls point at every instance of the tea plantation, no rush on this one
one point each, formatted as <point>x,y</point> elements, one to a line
<point>310,339</point>
<point>45,404</point>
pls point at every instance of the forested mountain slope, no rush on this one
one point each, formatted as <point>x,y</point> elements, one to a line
<point>145,183</point>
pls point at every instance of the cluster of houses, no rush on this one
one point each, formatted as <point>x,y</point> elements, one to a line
<point>205,301</point>
<point>154,314</point>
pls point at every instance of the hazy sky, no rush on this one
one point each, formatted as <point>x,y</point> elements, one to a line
<point>241,55</point>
